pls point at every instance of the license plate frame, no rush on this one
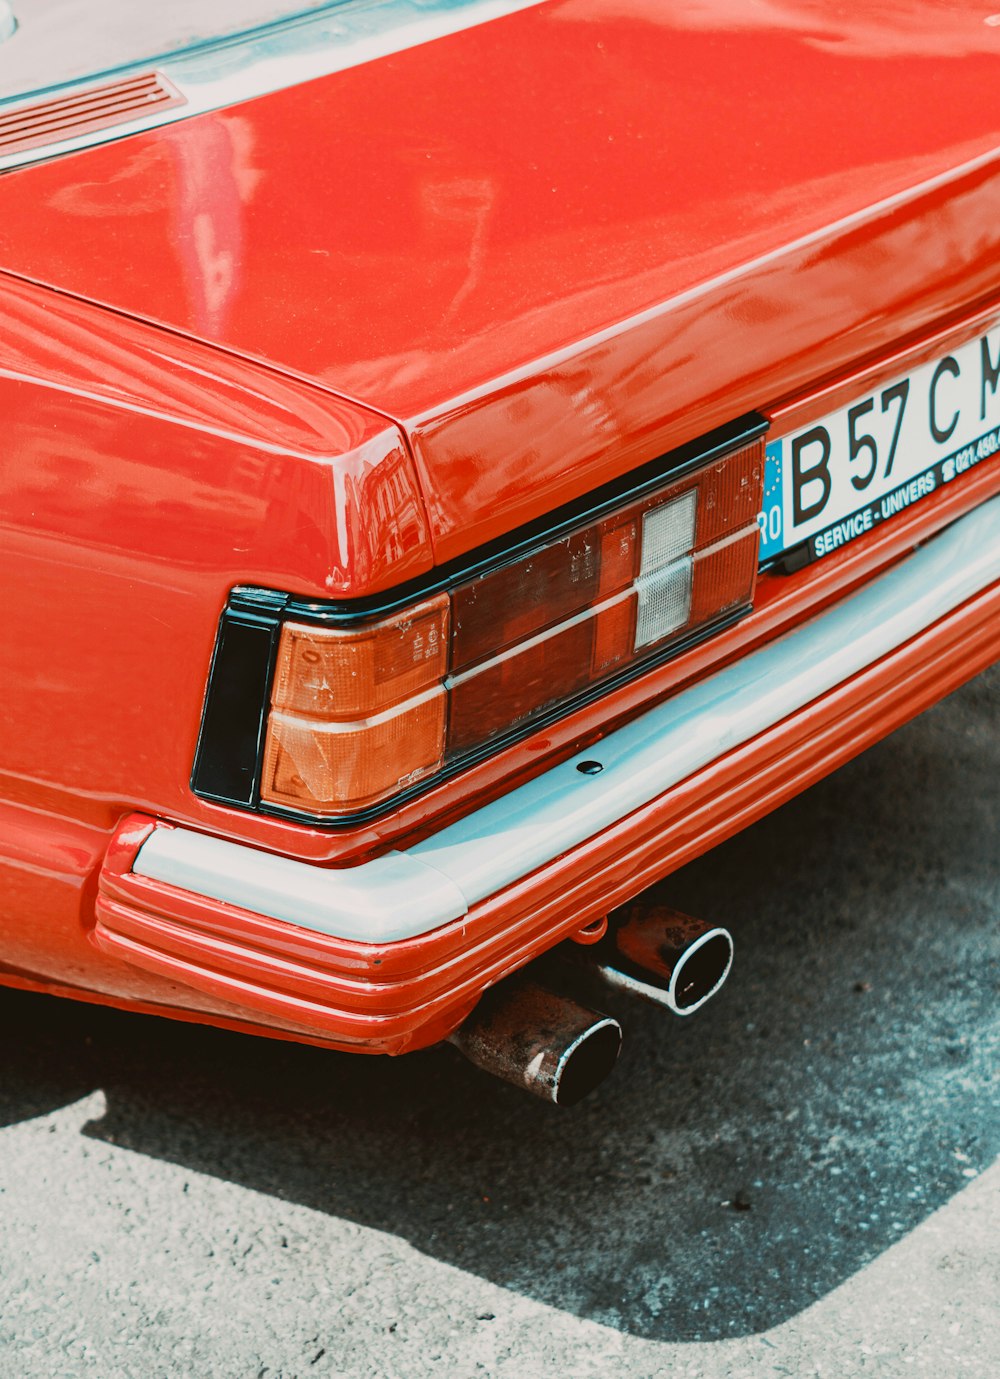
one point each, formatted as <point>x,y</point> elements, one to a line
<point>833,480</point>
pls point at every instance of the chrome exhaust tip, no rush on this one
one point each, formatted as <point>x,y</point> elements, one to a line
<point>539,1040</point>
<point>663,956</point>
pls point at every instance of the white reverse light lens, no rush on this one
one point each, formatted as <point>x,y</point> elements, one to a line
<point>664,601</point>
<point>668,532</point>
<point>664,583</point>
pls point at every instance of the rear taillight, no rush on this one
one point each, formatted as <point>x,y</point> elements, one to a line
<point>363,708</point>
<point>356,714</point>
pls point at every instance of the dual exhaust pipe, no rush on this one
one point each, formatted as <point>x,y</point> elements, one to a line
<point>532,1033</point>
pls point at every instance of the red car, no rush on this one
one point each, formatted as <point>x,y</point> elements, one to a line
<point>459,462</point>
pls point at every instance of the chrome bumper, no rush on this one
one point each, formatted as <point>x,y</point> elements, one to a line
<point>405,894</point>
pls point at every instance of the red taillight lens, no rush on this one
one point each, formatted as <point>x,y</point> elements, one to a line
<point>359,714</point>
<point>601,599</point>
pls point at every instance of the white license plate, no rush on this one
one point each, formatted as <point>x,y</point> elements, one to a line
<point>839,477</point>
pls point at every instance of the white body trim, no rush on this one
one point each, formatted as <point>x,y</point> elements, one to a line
<point>226,71</point>
<point>405,894</point>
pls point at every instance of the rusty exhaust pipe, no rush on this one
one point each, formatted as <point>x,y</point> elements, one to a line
<point>662,956</point>
<point>539,1040</point>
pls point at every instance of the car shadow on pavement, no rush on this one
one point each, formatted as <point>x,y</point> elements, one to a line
<point>738,1165</point>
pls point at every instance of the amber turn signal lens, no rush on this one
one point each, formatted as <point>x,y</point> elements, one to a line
<point>330,768</point>
<point>333,674</point>
<point>357,714</point>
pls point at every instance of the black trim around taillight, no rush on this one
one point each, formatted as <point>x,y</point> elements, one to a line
<point>228,759</point>
<point>231,740</point>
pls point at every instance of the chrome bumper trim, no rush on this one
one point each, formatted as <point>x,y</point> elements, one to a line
<point>404,894</point>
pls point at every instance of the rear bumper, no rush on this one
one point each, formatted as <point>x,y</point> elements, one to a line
<point>393,952</point>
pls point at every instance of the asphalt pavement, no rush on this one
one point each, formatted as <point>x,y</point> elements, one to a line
<point>802,1179</point>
